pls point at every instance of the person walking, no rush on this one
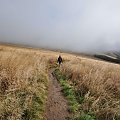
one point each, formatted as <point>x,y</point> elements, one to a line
<point>60,60</point>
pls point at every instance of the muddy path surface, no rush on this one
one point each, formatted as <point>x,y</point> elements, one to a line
<point>57,105</point>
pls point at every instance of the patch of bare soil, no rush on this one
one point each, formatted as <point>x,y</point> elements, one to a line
<point>57,105</point>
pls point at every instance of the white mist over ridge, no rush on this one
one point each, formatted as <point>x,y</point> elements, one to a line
<point>75,25</point>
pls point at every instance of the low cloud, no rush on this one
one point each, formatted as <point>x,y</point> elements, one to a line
<point>75,25</point>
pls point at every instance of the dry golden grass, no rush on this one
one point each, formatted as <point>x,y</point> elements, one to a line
<point>99,83</point>
<point>24,76</point>
<point>23,83</point>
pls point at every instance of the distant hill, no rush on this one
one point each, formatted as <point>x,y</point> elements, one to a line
<point>111,57</point>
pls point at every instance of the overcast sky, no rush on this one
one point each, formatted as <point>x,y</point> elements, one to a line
<point>76,25</point>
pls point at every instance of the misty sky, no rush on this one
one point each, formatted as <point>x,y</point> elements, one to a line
<point>76,25</point>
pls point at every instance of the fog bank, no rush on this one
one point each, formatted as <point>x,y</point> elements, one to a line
<point>75,25</point>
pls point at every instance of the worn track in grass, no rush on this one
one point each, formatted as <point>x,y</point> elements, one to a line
<point>57,105</point>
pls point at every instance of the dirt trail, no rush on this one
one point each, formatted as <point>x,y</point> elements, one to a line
<point>56,108</point>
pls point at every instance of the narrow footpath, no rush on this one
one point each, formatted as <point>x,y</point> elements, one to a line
<point>57,105</point>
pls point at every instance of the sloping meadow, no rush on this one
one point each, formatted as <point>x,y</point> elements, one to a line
<point>97,85</point>
<point>23,84</point>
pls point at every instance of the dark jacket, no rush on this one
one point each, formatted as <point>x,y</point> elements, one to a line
<point>59,60</point>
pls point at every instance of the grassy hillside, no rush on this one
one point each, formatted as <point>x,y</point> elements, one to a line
<point>98,85</point>
<point>24,84</point>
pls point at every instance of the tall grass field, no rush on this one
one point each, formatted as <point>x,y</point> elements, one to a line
<point>24,84</point>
